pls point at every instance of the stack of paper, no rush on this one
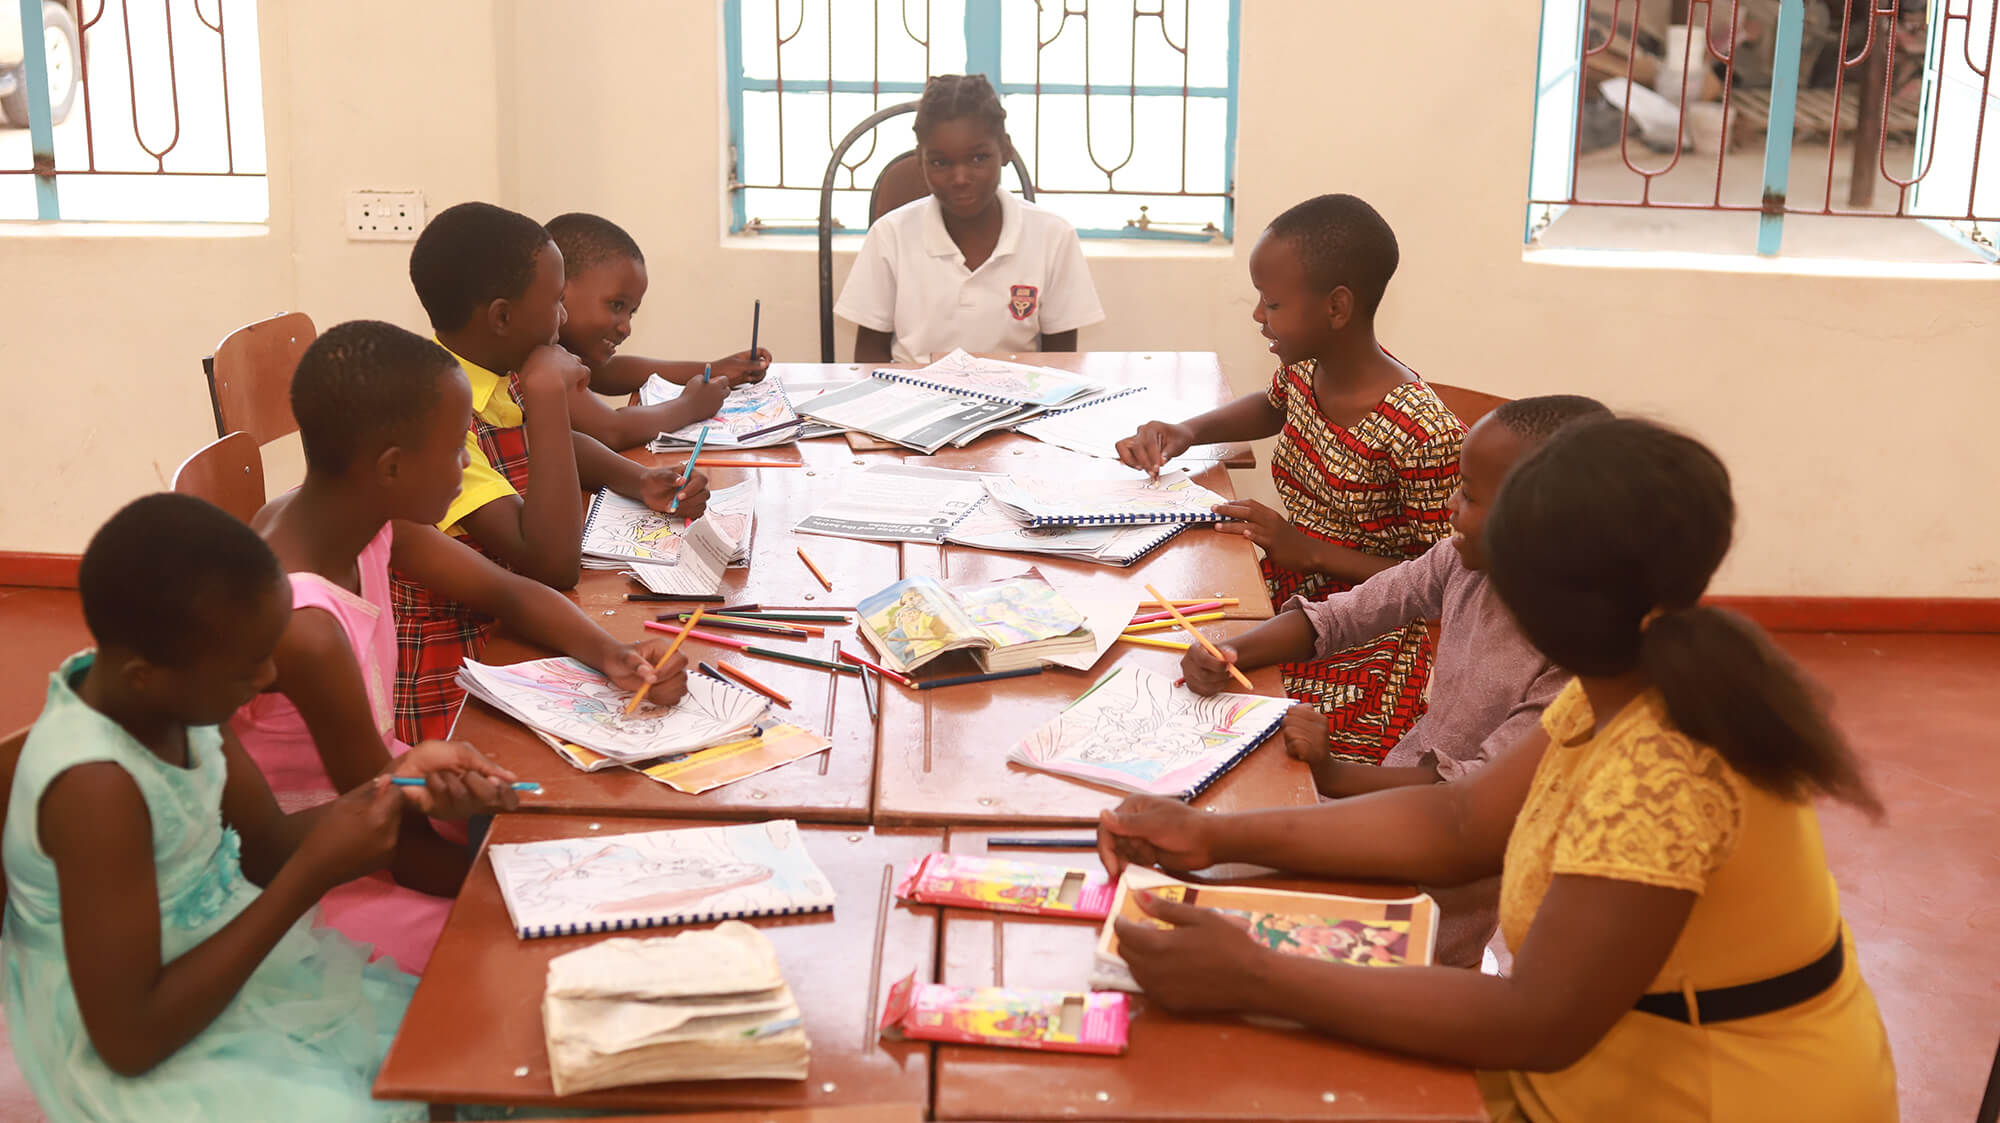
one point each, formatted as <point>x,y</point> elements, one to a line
<point>671,555</point>
<point>955,400</point>
<point>754,415</point>
<point>989,526</point>
<point>575,704</point>
<point>1038,501</point>
<point>897,503</point>
<point>698,1006</point>
<point>1095,425</point>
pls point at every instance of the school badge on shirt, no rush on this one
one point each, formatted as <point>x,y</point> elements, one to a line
<point>1021,301</point>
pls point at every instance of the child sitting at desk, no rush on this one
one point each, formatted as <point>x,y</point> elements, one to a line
<point>1490,685</point>
<point>968,265</point>
<point>382,414</point>
<point>1367,458</point>
<point>160,956</point>
<point>606,280</point>
<point>1679,953</point>
<point>492,283</point>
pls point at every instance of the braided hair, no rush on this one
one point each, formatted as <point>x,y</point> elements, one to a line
<point>948,97</point>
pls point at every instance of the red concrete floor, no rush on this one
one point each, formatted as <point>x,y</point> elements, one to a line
<point>1924,711</point>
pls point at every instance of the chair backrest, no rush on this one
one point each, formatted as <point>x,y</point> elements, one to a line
<point>250,376</point>
<point>10,755</point>
<point>228,473</point>
<point>1469,405</point>
<point>833,166</point>
<point>901,182</point>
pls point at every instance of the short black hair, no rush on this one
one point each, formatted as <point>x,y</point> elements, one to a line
<point>470,255</point>
<point>166,573</point>
<point>1341,241</point>
<point>947,97</point>
<point>587,241</point>
<point>1536,419</point>
<point>362,380</point>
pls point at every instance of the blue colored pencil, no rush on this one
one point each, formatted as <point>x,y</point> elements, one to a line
<point>962,680</point>
<point>687,471</point>
<point>419,781</point>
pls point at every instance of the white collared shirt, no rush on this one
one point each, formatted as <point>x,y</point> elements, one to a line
<point>910,280</point>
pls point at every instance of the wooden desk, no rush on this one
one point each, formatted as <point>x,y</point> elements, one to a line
<point>871,1113</point>
<point>473,1033</point>
<point>943,752</point>
<point>1176,1068</point>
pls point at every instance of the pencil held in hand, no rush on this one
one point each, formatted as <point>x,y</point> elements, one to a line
<point>639,695</point>
<point>1197,637</point>
<point>687,470</point>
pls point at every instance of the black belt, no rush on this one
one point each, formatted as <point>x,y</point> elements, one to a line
<point>1765,996</point>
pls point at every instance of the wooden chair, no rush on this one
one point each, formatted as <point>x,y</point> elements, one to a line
<point>1469,405</point>
<point>250,376</point>
<point>10,755</point>
<point>228,473</point>
<point>907,170</point>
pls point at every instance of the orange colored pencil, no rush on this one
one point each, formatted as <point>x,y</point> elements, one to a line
<point>716,620</point>
<point>752,683</point>
<point>804,557</point>
<point>1196,636</point>
<point>639,695</point>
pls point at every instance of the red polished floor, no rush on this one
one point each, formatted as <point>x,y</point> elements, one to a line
<point>1918,889</point>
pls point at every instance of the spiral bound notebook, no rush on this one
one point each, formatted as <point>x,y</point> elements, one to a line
<point>1136,731</point>
<point>988,526</point>
<point>1173,498</point>
<point>994,380</point>
<point>612,883</point>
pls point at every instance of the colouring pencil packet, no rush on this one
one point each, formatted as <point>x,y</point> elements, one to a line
<point>1006,886</point>
<point>1011,1017</point>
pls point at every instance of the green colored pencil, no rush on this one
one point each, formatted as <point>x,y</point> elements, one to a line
<point>803,660</point>
<point>793,617</point>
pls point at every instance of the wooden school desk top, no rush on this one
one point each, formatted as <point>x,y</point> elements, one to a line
<point>1176,1068</point>
<point>944,751</point>
<point>473,1033</point>
<point>868,1113</point>
<point>832,786</point>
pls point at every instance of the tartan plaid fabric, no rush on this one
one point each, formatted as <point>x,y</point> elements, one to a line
<point>435,636</point>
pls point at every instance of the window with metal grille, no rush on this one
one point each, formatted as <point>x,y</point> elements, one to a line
<point>131,110</point>
<point>1124,110</point>
<point>1824,128</point>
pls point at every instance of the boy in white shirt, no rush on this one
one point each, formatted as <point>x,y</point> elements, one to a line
<point>970,265</point>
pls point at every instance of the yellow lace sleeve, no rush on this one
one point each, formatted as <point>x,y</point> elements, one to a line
<point>1660,810</point>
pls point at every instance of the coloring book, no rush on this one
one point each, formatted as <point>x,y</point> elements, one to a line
<point>604,883</point>
<point>573,703</point>
<point>1137,732</point>
<point>1007,624</point>
<point>1014,1017</point>
<point>971,376</point>
<point>1039,501</point>
<point>754,415</point>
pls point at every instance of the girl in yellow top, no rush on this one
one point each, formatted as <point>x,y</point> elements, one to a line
<point>1678,948</point>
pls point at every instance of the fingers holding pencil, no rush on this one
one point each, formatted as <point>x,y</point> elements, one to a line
<point>639,697</point>
<point>1195,635</point>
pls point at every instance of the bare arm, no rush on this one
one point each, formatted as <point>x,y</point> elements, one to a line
<point>658,488</point>
<point>539,533</point>
<point>1248,418</point>
<point>871,346</point>
<point>626,427</point>
<point>624,374</point>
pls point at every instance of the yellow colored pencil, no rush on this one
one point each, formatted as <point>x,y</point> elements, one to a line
<point>1156,603</point>
<point>639,695</point>
<point>1155,641</point>
<point>1159,624</point>
<point>1195,634</point>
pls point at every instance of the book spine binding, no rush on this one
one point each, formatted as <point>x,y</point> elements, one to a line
<point>1121,520</point>
<point>954,391</point>
<point>1215,773</point>
<point>595,927</point>
<point>1125,393</point>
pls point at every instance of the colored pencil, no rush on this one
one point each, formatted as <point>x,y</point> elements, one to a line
<point>1155,641</point>
<point>876,667</point>
<point>687,470</point>
<point>752,683</point>
<point>668,598</point>
<point>1195,634</point>
<point>1200,602</point>
<point>801,660</point>
<point>739,609</point>
<point>1160,625</point>
<point>781,627</point>
<point>709,670</point>
<point>786,617</point>
<point>719,462</point>
<point>756,320</point>
<point>1190,609</point>
<point>760,627</point>
<point>815,569</point>
<point>870,685</point>
<point>419,781</point>
<point>991,676</point>
<point>1030,842</point>
<point>639,695</point>
<point>705,637</point>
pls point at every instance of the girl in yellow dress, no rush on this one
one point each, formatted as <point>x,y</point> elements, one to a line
<point>1678,948</point>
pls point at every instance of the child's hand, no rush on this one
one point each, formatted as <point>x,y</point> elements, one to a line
<point>1205,962</point>
<point>553,371</point>
<point>659,486</point>
<point>1305,731</point>
<point>1286,545</point>
<point>1149,830</point>
<point>630,666</point>
<point>1153,445</point>
<point>705,397</point>
<point>1205,673</point>
<point>354,835</point>
<point>459,781</point>
<point>741,368</point>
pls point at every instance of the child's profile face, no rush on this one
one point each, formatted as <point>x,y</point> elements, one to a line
<point>536,316</point>
<point>962,159</point>
<point>1484,460</point>
<point>430,471</point>
<point>599,304</point>
<point>1297,320</point>
<point>235,667</point>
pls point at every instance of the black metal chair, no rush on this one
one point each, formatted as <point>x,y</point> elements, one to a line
<point>876,197</point>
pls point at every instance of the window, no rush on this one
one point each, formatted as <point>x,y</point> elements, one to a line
<point>147,111</point>
<point>1822,128</point>
<point>1123,110</point>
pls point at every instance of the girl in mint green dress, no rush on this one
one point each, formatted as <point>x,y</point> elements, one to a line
<point>148,976</point>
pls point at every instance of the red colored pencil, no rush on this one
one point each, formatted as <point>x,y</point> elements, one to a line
<point>705,637</point>
<point>876,667</point>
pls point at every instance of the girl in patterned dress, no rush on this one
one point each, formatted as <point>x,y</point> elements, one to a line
<point>1367,456</point>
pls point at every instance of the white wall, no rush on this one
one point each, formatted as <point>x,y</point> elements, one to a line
<point>1853,410</point>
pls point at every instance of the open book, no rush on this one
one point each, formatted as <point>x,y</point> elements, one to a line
<point>969,376</point>
<point>667,554</point>
<point>1324,926</point>
<point>608,883</point>
<point>573,703</point>
<point>1040,501</point>
<point>754,415</point>
<point>1094,425</point>
<point>1007,624</point>
<point>1136,731</point>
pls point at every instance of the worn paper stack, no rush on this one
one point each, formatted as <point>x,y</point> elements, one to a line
<point>708,1005</point>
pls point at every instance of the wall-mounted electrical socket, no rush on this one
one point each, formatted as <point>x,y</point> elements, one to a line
<point>384,216</point>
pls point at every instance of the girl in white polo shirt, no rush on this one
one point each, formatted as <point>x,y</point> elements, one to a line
<point>969,266</point>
